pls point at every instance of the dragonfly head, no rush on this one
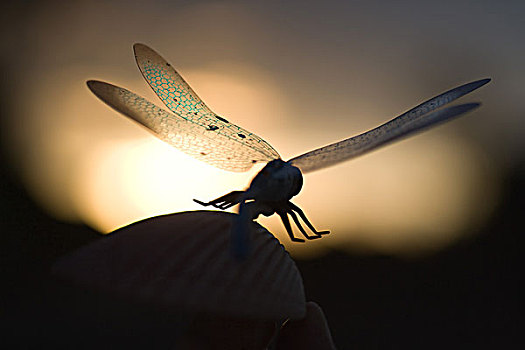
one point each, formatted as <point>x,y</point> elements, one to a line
<point>277,181</point>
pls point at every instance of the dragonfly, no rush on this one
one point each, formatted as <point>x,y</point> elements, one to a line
<point>192,127</point>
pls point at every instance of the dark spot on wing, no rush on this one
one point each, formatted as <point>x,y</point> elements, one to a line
<point>212,127</point>
<point>242,136</point>
<point>254,161</point>
<point>203,153</point>
<point>167,64</point>
<point>222,119</point>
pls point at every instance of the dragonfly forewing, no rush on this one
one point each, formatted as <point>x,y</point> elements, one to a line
<point>408,123</point>
<point>180,98</point>
<point>191,138</point>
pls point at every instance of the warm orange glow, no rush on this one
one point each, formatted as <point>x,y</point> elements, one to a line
<point>413,196</point>
<point>130,181</point>
<point>114,172</point>
<point>416,196</point>
<point>84,162</point>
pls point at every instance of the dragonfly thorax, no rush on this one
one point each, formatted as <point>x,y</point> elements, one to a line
<point>277,181</point>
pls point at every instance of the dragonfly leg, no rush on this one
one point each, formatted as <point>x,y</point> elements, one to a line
<point>298,223</point>
<point>224,202</point>
<point>305,219</point>
<point>286,223</point>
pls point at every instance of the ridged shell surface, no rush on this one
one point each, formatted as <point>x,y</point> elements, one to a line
<point>185,261</point>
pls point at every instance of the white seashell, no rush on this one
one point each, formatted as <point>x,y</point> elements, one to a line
<point>184,261</point>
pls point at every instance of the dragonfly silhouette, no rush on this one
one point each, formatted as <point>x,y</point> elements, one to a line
<point>195,129</point>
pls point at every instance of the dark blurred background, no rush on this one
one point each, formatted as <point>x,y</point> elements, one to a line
<point>384,282</point>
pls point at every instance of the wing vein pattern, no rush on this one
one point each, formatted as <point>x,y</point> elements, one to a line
<point>180,98</point>
<point>191,138</point>
<point>416,119</point>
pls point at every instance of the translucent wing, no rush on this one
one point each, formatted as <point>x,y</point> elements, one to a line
<point>201,142</point>
<point>179,97</point>
<point>404,125</point>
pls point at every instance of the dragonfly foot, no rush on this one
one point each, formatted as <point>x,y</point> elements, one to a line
<point>291,208</point>
<point>224,202</point>
<point>201,203</point>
